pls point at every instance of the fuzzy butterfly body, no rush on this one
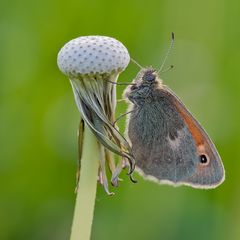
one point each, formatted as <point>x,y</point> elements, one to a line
<point>168,144</point>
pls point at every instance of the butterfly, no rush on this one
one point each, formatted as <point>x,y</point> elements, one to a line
<point>168,144</point>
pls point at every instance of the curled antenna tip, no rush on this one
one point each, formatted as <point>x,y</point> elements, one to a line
<point>173,35</point>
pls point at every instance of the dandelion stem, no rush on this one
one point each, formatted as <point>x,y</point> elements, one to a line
<point>85,200</point>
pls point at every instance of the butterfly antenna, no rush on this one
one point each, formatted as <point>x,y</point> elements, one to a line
<point>168,52</point>
<point>134,61</point>
<point>167,69</point>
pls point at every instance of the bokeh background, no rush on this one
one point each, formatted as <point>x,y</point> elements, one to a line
<point>39,119</point>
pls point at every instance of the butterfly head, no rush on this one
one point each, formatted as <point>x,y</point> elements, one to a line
<point>147,75</point>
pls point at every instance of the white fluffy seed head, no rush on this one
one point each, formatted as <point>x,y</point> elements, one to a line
<point>92,55</point>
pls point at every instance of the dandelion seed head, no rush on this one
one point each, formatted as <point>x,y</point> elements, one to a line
<point>89,54</point>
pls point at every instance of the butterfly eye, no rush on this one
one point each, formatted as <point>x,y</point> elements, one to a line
<point>149,76</point>
<point>203,159</point>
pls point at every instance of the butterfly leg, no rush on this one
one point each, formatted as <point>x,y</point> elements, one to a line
<point>121,116</point>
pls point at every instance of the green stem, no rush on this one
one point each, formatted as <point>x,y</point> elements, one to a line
<point>84,207</point>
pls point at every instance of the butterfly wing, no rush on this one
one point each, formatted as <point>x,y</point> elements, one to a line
<point>170,145</point>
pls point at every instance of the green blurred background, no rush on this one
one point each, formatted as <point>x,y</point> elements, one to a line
<point>39,119</point>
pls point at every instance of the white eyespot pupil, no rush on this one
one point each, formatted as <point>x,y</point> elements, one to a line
<point>203,159</point>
